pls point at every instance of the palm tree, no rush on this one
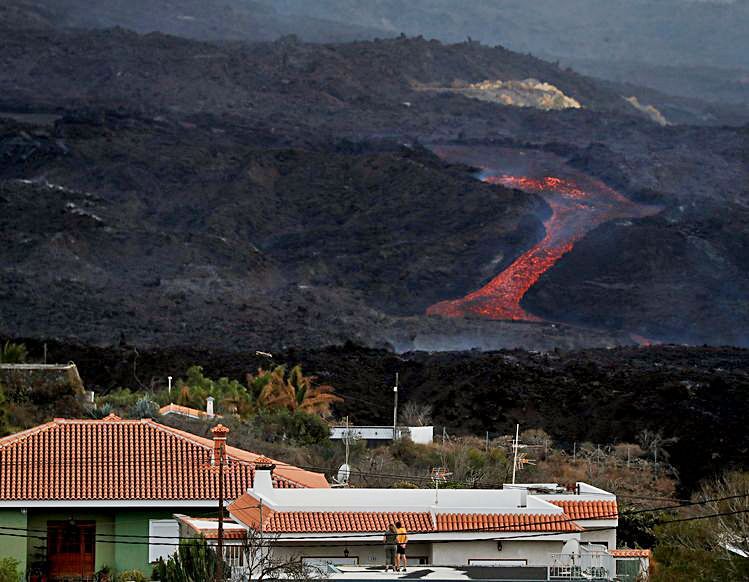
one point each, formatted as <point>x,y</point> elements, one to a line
<point>295,392</point>
<point>308,397</point>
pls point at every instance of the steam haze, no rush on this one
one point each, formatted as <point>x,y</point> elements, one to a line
<point>695,48</point>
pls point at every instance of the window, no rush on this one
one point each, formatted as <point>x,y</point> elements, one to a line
<point>234,555</point>
<point>163,537</point>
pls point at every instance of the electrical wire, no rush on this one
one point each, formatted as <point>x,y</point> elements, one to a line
<point>355,543</point>
<point>489,529</point>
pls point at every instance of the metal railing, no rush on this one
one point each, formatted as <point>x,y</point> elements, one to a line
<point>582,566</point>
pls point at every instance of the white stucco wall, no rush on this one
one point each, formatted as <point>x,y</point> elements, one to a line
<point>537,553</point>
<point>366,554</point>
<point>604,536</point>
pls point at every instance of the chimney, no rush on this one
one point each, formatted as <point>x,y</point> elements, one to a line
<point>523,497</point>
<point>262,481</point>
<point>219,433</point>
<point>209,406</point>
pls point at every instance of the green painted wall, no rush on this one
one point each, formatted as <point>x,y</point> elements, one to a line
<point>135,523</point>
<point>11,546</point>
<point>112,525</point>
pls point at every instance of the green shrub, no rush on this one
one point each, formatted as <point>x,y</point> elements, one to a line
<point>120,398</point>
<point>12,353</point>
<point>131,576</point>
<point>194,561</point>
<point>9,570</point>
<point>297,428</point>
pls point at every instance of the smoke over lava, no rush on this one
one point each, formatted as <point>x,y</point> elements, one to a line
<point>578,204</point>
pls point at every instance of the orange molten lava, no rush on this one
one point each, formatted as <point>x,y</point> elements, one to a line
<point>577,208</point>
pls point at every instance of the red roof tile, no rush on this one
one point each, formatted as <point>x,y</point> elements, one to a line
<point>505,522</point>
<point>589,509</point>
<point>247,510</point>
<point>115,459</point>
<point>627,553</point>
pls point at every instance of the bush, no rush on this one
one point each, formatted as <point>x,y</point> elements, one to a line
<point>9,570</point>
<point>297,428</point>
<point>121,398</point>
<point>144,408</point>
<point>131,576</point>
<point>12,353</point>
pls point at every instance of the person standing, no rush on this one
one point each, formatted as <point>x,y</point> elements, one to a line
<point>391,541</point>
<point>400,551</point>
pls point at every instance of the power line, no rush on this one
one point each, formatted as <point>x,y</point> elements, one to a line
<point>488,529</point>
<point>358,535</point>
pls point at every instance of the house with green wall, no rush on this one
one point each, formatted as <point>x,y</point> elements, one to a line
<point>78,495</point>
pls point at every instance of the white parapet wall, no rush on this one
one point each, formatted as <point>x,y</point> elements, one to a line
<point>422,435</point>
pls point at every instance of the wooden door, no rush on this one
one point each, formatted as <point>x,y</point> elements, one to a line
<point>70,549</point>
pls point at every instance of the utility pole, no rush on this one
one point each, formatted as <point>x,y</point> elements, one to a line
<point>395,408</point>
<point>262,549</point>
<point>219,458</point>
<point>346,440</point>
<point>220,541</point>
<point>515,452</point>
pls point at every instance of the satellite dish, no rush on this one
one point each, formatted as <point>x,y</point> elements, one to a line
<point>571,547</point>
<point>343,474</point>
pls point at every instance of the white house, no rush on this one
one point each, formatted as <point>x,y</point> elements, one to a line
<point>594,509</point>
<point>516,526</point>
<point>374,435</point>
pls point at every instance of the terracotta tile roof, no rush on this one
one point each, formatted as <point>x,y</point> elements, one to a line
<point>506,522</point>
<point>627,553</point>
<point>115,459</point>
<point>185,411</point>
<point>589,509</point>
<point>247,511</point>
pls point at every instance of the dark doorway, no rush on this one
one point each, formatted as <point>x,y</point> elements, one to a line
<point>70,549</point>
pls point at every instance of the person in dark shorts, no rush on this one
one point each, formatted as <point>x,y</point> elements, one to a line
<point>400,550</point>
<point>391,541</point>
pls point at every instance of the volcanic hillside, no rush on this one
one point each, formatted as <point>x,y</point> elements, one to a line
<point>200,19</point>
<point>183,191</point>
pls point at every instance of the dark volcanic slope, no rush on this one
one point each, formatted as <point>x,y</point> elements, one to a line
<point>372,229</point>
<point>697,395</point>
<point>682,275</point>
<point>119,68</point>
<point>199,19</point>
<point>185,231</point>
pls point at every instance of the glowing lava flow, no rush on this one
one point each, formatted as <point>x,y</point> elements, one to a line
<point>577,207</point>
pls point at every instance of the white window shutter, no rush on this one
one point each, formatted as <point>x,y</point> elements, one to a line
<point>163,540</point>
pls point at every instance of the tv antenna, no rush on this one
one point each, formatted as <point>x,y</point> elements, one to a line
<point>519,460</point>
<point>344,471</point>
<point>439,474</point>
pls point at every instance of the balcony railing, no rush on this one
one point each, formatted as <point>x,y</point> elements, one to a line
<point>582,566</point>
